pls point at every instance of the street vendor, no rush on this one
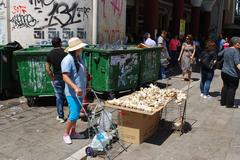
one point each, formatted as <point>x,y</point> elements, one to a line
<point>74,76</point>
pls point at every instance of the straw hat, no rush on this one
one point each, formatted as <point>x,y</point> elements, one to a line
<point>74,44</point>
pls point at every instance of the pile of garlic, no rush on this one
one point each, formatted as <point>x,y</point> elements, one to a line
<point>149,99</point>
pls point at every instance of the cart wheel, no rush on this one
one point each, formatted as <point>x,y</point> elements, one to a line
<point>108,146</point>
<point>31,101</point>
<point>89,151</point>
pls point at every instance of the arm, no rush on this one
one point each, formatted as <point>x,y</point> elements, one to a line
<point>49,71</point>
<point>220,54</point>
<point>180,55</point>
<point>194,50</point>
<point>67,80</point>
<point>238,66</point>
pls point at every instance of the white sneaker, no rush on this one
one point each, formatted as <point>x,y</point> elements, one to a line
<point>67,139</point>
<point>207,97</point>
<point>201,95</point>
<point>61,120</point>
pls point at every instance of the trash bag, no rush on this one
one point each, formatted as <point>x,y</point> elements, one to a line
<point>14,45</point>
<point>100,141</point>
<point>105,120</point>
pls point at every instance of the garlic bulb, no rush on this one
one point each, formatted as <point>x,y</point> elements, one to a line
<point>149,99</point>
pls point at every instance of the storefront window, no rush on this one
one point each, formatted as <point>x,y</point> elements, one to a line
<point>237,13</point>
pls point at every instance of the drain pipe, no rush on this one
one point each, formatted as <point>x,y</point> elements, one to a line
<point>94,24</point>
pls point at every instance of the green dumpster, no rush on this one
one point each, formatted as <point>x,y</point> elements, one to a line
<point>9,81</point>
<point>33,78</point>
<point>149,65</point>
<point>113,70</point>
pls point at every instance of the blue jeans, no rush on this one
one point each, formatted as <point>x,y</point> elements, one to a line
<point>58,86</point>
<point>206,79</point>
<point>162,72</point>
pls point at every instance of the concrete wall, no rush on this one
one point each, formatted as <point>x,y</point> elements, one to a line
<point>38,21</point>
<point>3,22</point>
<point>111,21</point>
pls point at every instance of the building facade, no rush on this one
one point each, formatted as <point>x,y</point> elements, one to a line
<point>202,18</point>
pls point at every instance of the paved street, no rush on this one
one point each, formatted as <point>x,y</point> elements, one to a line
<point>32,133</point>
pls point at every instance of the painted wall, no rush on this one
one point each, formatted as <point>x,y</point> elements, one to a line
<point>3,22</point>
<point>38,21</point>
<point>111,21</point>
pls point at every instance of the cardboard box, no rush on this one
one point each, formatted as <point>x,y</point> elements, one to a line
<point>136,127</point>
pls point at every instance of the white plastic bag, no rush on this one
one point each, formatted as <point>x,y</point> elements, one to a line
<point>105,120</point>
<point>100,141</point>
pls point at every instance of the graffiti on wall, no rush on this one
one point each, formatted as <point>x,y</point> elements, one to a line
<point>67,33</point>
<point>21,18</point>
<point>112,26</point>
<point>3,4</point>
<point>46,19</point>
<point>62,13</point>
<point>127,63</point>
<point>116,6</point>
<point>3,23</point>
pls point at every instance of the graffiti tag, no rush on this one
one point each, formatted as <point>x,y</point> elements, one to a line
<point>41,3</point>
<point>19,9</point>
<point>117,7</point>
<point>23,21</point>
<point>64,15</point>
<point>2,3</point>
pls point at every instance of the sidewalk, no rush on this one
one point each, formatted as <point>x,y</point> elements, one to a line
<point>215,133</point>
<point>34,134</point>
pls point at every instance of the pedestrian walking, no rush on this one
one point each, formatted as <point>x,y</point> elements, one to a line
<point>164,56</point>
<point>230,72</point>
<point>186,57</point>
<point>226,43</point>
<point>173,53</point>
<point>54,59</point>
<point>74,76</point>
<point>220,42</point>
<point>208,60</point>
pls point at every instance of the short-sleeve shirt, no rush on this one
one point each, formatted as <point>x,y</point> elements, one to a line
<point>231,58</point>
<point>79,78</point>
<point>54,58</point>
<point>150,42</point>
<point>162,42</point>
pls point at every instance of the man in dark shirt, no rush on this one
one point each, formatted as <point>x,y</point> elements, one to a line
<point>54,59</point>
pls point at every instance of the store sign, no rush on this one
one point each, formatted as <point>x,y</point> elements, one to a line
<point>182,27</point>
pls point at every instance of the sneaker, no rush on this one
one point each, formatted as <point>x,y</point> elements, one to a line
<point>61,120</point>
<point>201,94</point>
<point>67,139</point>
<point>207,97</point>
<point>78,136</point>
<point>236,106</point>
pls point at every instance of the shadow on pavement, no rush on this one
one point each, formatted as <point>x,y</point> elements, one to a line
<point>215,94</point>
<point>165,129</point>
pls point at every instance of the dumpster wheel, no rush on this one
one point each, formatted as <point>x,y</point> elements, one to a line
<point>31,101</point>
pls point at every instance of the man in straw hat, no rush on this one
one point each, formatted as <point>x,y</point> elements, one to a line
<point>74,75</point>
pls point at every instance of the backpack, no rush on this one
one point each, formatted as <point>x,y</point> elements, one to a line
<point>207,61</point>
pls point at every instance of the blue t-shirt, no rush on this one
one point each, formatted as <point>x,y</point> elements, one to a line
<point>79,78</point>
<point>231,58</point>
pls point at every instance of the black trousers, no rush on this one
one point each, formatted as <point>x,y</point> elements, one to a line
<point>230,85</point>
